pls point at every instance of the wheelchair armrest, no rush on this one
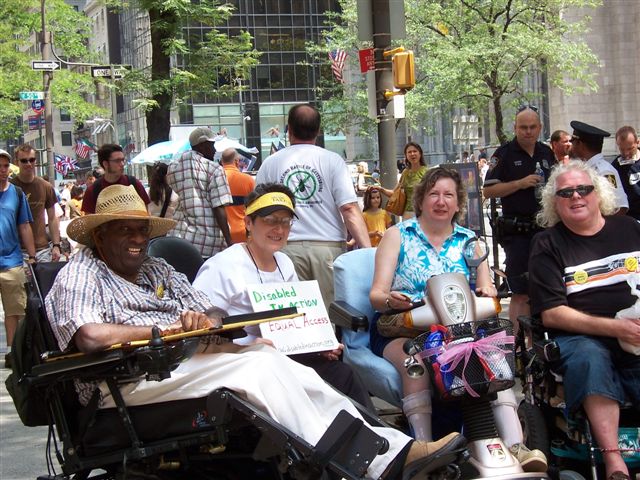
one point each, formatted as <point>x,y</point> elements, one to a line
<point>154,362</point>
<point>531,324</point>
<point>344,315</point>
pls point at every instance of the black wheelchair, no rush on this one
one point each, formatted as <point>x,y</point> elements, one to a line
<point>565,438</point>
<point>220,436</point>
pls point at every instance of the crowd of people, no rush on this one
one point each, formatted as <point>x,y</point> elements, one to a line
<point>290,224</point>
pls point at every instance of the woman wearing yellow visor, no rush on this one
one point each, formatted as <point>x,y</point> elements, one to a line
<point>270,212</point>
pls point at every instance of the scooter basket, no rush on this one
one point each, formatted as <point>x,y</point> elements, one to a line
<point>471,358</point>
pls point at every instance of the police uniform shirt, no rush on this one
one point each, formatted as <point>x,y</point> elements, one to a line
<point>604,168</point>
<point>513,163</point>
<point>629,172</point>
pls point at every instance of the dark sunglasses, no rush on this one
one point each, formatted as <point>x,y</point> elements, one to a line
<point>522,108</point>
<point>583,191</point>
<point>28,160</point>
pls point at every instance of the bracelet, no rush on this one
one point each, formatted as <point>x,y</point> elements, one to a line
<point>387,303</point>
<point>32,257</point>
<point>55,245</point>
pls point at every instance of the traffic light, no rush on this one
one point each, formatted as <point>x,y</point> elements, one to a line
<point>404,75</point>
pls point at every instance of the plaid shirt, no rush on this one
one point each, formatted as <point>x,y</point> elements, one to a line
<point>87,291</point>
<point>202,186</point>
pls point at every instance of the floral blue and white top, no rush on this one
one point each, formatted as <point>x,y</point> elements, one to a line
<point>418,260</point>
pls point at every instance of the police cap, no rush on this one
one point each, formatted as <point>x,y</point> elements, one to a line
<point>587,133</point>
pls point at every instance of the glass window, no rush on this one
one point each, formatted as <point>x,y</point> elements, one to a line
<point>65,116</point>
<point>262,75</point>
<point>275,74</point>
<point>288,76</point>
<point>263,96</point>
<point>66,138</point>
<point>261,36</point>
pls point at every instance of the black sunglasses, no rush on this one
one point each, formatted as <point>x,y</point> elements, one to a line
<point>522,108</point>
<point>28,160</point>
<point>583,191</point>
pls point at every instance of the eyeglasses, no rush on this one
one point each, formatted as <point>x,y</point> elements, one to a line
<point>275,221</point>
<point>28,160</point>
<point>582,190</point>
<point>522,108</point>
<point>118,160</point>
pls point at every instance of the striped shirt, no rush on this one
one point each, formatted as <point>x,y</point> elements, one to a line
<point>87,291</point>
<point>202,186</point>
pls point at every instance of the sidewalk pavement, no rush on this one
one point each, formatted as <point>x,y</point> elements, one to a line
<point>22,449</point>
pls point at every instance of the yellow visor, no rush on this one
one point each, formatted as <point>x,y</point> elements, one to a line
<point>271,202</point>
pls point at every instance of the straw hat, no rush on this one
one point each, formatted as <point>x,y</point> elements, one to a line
<point>117,202</point>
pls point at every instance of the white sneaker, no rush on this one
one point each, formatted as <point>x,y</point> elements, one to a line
<point>530,460</point>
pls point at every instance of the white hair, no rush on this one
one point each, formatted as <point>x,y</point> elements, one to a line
<point>548,215</point>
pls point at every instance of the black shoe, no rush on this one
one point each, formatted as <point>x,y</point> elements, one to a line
<point>7,361</point>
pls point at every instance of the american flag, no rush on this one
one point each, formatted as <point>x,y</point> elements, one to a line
<point>337,57</point>
<point>63,163</point>
<point>83,148</point>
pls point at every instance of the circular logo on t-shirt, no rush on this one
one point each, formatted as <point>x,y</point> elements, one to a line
<point>580,277</point>
<point>631,264</point>
<point>302,183</point>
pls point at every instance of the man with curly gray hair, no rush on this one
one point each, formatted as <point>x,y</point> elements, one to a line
<point>581,269</point>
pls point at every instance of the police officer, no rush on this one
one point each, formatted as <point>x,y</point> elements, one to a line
<point>628,166</point>
<point>514,180</point>
<point>586,144</point>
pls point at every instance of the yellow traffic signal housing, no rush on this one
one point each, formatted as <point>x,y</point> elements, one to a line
<point>404,75</point>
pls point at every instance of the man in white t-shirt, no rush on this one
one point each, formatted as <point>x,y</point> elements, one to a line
<point>326,203</point>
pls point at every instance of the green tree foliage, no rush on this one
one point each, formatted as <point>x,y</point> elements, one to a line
<point>19,45</point>
<point>476,53</point>
<point>211,65</point>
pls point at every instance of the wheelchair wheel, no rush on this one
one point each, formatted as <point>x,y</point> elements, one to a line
<point>534,427</point>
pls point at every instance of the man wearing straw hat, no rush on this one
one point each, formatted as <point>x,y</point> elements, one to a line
<point>111,292</point>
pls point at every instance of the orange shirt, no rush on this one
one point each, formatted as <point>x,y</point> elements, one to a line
<point>240,185</point>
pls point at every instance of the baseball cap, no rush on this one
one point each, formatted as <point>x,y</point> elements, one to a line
<point>201,134</point>
<point>4,153</point>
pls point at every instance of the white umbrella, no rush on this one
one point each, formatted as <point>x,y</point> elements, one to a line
<point>221,143</point>
<point>165,152</point>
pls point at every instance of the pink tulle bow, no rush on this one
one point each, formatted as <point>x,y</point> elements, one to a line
<point>454,354</point>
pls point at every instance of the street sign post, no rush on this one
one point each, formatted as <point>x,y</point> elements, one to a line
<point>105,71</point>
<point>37,106</point>
<point>36,122</point>
<point>31,95</point>
<point>46,65</point>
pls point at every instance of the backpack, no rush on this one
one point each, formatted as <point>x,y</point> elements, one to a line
<point>29,341</point>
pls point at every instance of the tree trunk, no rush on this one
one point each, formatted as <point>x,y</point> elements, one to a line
<point>497,111</point>
<point>158,118</point>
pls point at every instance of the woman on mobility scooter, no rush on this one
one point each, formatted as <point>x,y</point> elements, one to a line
<point>409,254</point>
<point>579,270</point>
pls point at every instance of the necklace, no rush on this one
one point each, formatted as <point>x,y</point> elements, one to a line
<point>256,265</point>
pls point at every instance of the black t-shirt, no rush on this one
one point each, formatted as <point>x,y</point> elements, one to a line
<point>513,163</point>
<point>587,273</point>
<point>630,178</point>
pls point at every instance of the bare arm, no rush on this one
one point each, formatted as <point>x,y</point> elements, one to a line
<point>26,236</point>
<point>504,189</point>
<point>93,337</point>
<point>54,232</point>
<point>352,217</point>
<point>221,219</point>
<point>386,262</point>
<point>484,285</point>
<point>571,320</point>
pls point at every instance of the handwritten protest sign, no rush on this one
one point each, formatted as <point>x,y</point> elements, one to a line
<point>309,333</point>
